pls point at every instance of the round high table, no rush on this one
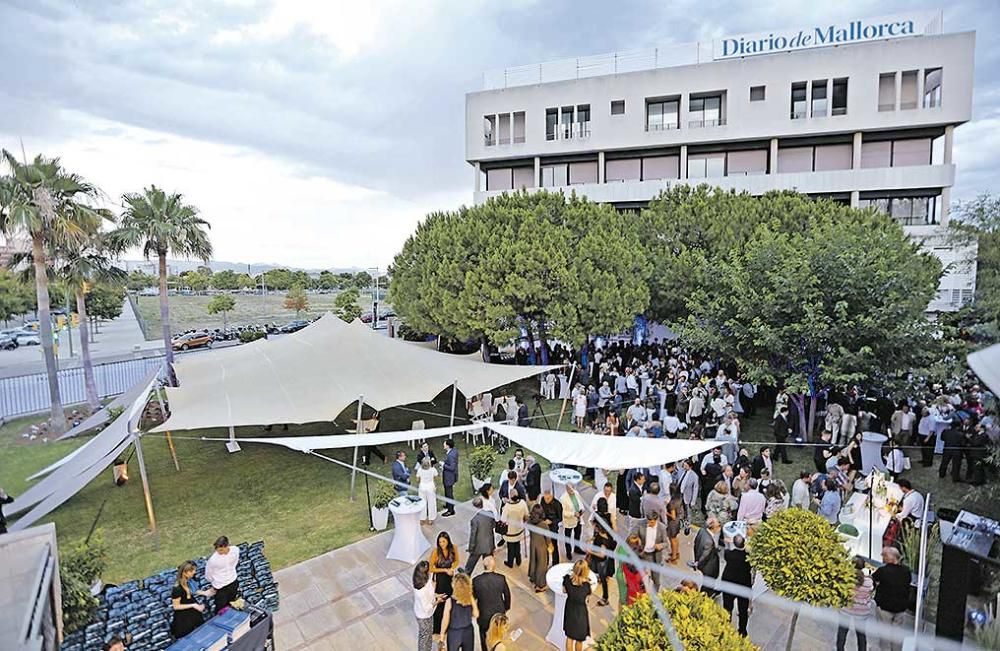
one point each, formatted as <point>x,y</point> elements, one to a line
<point>562,476</point>
<point>408,541</point>
<point>732,529</point>
<point>554,580</point>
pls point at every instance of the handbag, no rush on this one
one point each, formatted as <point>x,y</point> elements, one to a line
<point>500,527</point>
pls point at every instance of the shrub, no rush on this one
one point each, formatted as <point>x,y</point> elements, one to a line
<point>481,461</point>
<point>79,568</point>
<point>383,494</point>
<point>246,336</point>
<point>801,558</point>
<point>700,622</point>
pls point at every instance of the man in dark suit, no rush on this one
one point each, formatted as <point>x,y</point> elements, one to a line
<point>782,430</point>
<point>954,441</point>
<point>492,595</point>
<point>511,482</point>
<point>635,493</point>
<point>522,413</point>
<point>653,536</point>
<point>553,518</point>
<point>400,473</point>
<point>706,555</point>
<point>533,480</point>
<point>737,571</point>
<point>761,462</point>
<point>449,476</point>
<point>481,542</point>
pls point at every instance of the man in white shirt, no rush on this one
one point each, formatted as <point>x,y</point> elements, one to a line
<point>672,424</point>
<point>911,508</point>
<point>608,494</point>
<point>800,491</point>
<point>636,413</point>
<point>752,504</point>
<point>717,456</point>
<point>220,571</point>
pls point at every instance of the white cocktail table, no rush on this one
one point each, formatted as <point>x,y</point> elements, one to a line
<point>562,476</point>
<point>554,580</point>
<point>408,541</point>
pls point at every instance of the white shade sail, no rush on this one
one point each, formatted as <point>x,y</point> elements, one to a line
<point>986,364</point>
<point>570,448</point>
<point>314,374</point>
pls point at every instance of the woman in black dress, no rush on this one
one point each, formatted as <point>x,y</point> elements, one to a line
<point>602,560</point>
<point>187,611</point>
<point>444,563</point>
<point>576,619</point>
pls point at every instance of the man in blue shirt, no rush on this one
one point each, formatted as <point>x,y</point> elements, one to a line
<point>400,473</point>
<point>449,476</point>
<point>829,504</point>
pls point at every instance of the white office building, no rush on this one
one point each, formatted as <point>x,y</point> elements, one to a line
<point>862,112</point>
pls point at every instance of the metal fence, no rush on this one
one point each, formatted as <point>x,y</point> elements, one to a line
<point>22,395</point>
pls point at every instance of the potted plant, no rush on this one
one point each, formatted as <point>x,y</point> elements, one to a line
<point>381,496</point>
<point>481,465</point>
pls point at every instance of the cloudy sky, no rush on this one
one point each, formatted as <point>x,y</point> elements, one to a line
<point>318,133</point>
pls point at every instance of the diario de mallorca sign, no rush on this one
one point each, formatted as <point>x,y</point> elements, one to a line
<point>827,34</point>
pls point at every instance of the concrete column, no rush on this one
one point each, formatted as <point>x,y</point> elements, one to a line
<point>945,215</point>
<point>479,175</point>
<point>772,161</point>
<point>856,152</point>
<point>855,198</point>
<point>600,167</point>
<point>920,88</point>
<point>829,96</point>
<point>899,91</point>
<point>538,171</point>
<point>949,142</point>
<point>809,99</point>
<point>683,166</point>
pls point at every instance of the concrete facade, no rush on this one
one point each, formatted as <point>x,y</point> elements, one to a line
<point>870,124</point>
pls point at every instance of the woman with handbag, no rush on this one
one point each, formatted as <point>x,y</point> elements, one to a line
<point>602,561</point>
<point>538,549</point>
<point>514,513</point>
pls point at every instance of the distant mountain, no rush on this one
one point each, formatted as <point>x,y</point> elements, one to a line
<point>178,266</point>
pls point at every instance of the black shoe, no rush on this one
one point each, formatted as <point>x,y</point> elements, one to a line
<point>787,461</point>
<point>447,514</point>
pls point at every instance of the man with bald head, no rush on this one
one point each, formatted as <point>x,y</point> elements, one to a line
<point>492,596</point>
<point>892,592</point>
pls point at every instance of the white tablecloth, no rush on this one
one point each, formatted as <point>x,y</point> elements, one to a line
<point>554,579</point>
<point>562,476</point>
<point>856,513</point>
<point>408,541</point>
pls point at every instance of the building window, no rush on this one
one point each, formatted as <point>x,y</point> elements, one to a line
<point>662,114</point>
<point>833,157</point>
<point>887,91</point>
<point>909,211</point>
<point>618,107</point>
<point>819,99</point>
<point>503,126</point>
<point>566,123</point>
<point>580,173</point>
<point>961,297</point>
<point>551,124</point>
<point>932,87</point>
<point>499,179</point>
<point>489,130</point>
<point>655,168</point>
<point>706,166</point>
<point>876,154</point>
<point>908,90</point>
<point>839,104</point>
<point>916,151</point>
<point>757,93</point>
<point>752,162</point>
<point>623,169</point>
<point>518,136</point>
<point>583,121</point>
<point>524,177</point>
<point>554,176</point>
<point>705,111</point>
<point>799,100</point>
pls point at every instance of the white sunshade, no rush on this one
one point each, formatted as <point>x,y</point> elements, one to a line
<point>986,364</point>
<point>314,374</point>
<point>571,448</point>
<point>100,416</point>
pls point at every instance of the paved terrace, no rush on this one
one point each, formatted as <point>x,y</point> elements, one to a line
<point>354,597</point>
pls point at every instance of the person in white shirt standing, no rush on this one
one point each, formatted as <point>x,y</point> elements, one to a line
<point>911,507</point>
<point>220,571</point>
<point>800,491</point>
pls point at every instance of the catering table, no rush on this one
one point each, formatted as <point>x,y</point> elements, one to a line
<point>408,541</point>
<point>856,513</point>
<point>554,579</point>
<point>562,476</point>
<point>732,529</point>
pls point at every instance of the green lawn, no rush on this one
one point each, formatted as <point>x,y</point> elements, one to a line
<point>188,312</point>
<point>297,503</point>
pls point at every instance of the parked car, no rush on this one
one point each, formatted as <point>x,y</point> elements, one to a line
<point>7,342</point>
<point>26,337</point>
<point>192,340</point>
<point>294,326</point>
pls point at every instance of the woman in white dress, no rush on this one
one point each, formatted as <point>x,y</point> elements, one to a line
<point>427,490</point>
<point>580,409</point>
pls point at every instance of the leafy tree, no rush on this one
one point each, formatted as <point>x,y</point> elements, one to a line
<point>818,573</point>
<point>162,223</point>
<point>45,202</point>
<point>196,280</point>
<point>278,278</point>
<point>139,280</point>
<point>105,302</point>
<point>977,223</point>
<point>362,280</point>
<point>346,305</point>
<point>227,280</point>
<point>297,300</point>
<point>15,296</point>
<point>557,266</point>
<point>700,622</point>
<point>327,280</point>
<point>838,301</point>
<point>221,303</point>
<point>79,568</point>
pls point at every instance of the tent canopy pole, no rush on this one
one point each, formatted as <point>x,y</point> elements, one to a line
<point>569,389</point>
<point>454,396</point>
<point>136,439</point>
<point>170,440</point>
<point>359,429</point>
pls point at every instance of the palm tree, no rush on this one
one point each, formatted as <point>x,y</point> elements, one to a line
<point>161,223</point>
<point>43,201</point>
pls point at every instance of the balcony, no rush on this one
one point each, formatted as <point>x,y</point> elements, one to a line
<point>839,110</point>
<point>887,107</point>
<point>662,127</point>
<point>489,140</point>
<point>698,124</point>
<point>576,130</point>
<point>799,115</point>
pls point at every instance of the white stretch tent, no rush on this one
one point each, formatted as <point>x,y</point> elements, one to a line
<point>571,448</point>
<point>313,375</point>
<point>986,364</point>
<point>100,416</point>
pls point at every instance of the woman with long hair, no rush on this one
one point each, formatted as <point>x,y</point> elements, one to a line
<point>576,619</point>
<point>424,602</point>
<point>675,512</point>
<point>443,565</point>
<point>515,512</point>
<point>538,549</point>
<point>634,585</point>
<point>187,611</point>
<point>602,560</point>
<point>459,612</point>
<point>499,625</point>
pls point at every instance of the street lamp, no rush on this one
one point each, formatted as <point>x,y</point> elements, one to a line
<point>375,299</point>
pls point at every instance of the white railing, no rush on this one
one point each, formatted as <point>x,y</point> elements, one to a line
<point>598,65</point>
